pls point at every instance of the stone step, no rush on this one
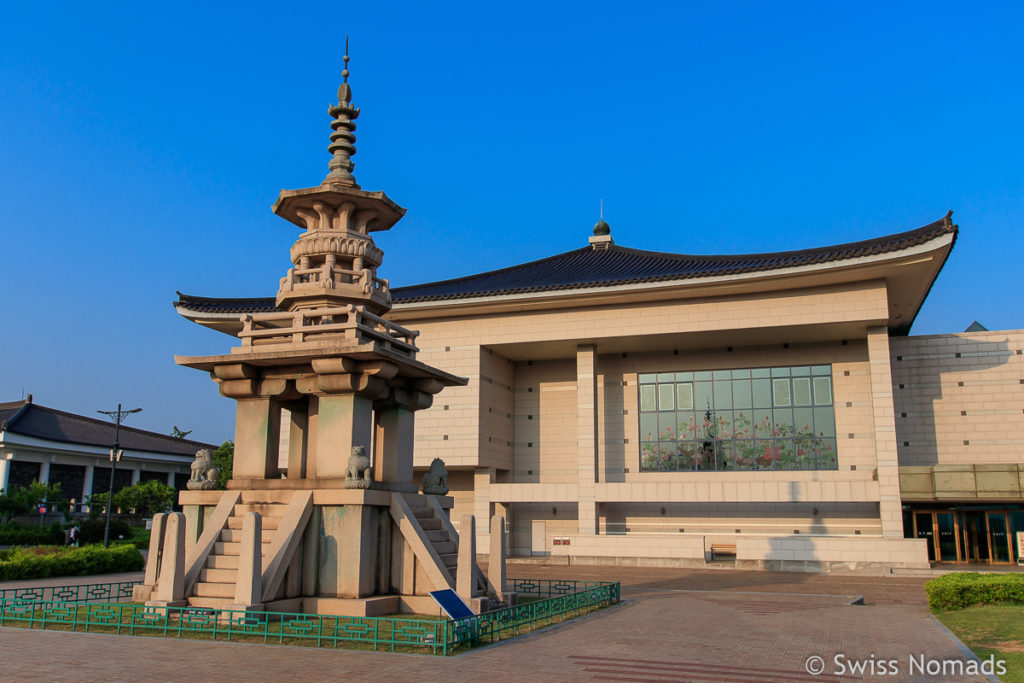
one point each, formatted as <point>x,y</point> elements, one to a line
<point>222,548</point>
<point>422,512</point>
<point>210,603</point>
<point>446,547</point>
<point>222,562</point>
<point>437,536</point>
<point>265,509</point>
<point>450,560</point>
<point>269,523</point>
<point>430,524</point>
<point>219,575</point>
<point>205,589</point>
<point>235,536</point>
<point>269,496</point>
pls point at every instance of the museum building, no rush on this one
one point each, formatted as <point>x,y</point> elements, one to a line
<point>638,407</point>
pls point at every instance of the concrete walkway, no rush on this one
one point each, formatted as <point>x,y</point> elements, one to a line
<point>673,625</point>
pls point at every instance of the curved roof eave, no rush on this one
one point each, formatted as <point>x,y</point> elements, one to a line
<point>592,270</point>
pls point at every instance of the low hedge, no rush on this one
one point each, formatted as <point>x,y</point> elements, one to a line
<point>964,589</point>
<point>92,530</point>
<point>40,563</point>
<point>18,534</point>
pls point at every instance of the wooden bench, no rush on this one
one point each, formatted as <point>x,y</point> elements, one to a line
<point>723,549</point>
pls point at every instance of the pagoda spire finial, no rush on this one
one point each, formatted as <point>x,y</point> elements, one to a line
<point>343,138</point>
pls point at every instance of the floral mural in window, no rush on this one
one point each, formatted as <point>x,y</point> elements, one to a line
<point>729,420</point>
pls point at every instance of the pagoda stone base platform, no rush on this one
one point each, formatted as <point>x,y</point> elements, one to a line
<point>346,552</point>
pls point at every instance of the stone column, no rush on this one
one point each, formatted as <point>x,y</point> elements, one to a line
<point>466,558</point>
<point>256,439</point>
<point>90,471</point>
<point>483,477</point>
<point>170,590</point>
<point>342,421</point>
<point>5,471</point>
<point>170,479</point>
<point>44,472</point>
<point>890,503</point>
<point>250,564</point>
<point>136,475</point>
<point>496,557</point>
<point>586,436</point>
<point>392,461</point>
<point>298,434</point>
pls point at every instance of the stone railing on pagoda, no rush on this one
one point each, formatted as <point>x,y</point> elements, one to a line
<point>350,323</point>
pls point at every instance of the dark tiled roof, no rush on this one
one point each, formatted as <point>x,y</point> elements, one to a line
<point>205,304</point>
<point>589,267</point>
<point>31,419</point>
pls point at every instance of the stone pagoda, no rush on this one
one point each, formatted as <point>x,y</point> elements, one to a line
<point>341,529</point>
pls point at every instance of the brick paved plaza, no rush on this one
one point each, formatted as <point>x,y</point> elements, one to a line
<point>712,625</point>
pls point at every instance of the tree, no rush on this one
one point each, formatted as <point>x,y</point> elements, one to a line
<point>146,498</point>
<point>223,459</point>
<point>179,433</point>
<point>22,500</point>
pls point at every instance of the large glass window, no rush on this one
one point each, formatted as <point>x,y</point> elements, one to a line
<point>750,419</point>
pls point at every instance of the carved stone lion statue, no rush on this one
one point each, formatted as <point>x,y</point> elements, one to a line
<point>357,472</point>
<point>204,474</point>
<point>435,481</point>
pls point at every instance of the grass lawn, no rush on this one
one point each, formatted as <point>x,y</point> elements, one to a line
<point>992,630</point>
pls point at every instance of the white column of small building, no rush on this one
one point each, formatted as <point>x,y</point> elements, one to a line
<point>90,471</point>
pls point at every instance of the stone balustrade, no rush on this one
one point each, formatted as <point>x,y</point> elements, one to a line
<point>349,323</point>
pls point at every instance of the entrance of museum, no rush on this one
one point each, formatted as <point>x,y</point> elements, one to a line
<point>967,533</point>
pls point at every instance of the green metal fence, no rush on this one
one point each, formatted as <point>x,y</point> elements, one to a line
<point>86,592</point>
<point>567,598</point>
<point>68,608</point>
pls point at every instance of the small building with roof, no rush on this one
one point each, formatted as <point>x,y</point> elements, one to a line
<point>39,443</point>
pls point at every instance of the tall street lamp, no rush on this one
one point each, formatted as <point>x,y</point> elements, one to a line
<point>118,416</point>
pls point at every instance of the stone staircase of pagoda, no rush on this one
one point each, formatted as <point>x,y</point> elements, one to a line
<point>444,540</point>
<point>215,587</point>
<point>439,537</point>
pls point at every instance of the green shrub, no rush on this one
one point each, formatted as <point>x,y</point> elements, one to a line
<point>964,589</point>
<point>32,534</point>
<point>92,530</point>
<point>40,563</point>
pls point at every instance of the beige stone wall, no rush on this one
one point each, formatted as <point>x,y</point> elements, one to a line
<point>545,422</point>
<point>857,303</point>
<point>450,428</point>
<point>725,520</point>
<point>497,376</point>
<point>558,520</point>
<point>887,552</point>
<point>959,398</point>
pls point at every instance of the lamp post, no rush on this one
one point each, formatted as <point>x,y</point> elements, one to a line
<point>118,416</point>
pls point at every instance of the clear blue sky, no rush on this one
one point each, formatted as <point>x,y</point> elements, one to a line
<point>141,149</point>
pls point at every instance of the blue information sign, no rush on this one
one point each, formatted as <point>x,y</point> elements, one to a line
<point>452,604</point>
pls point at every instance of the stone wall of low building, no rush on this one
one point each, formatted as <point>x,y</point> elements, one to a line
<point>959,398</point>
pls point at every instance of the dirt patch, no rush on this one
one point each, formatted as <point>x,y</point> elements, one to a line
<point>1004,645</point>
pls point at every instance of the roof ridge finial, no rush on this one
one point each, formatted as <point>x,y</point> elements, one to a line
<point>343,138</point>
<point>602,228</point>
